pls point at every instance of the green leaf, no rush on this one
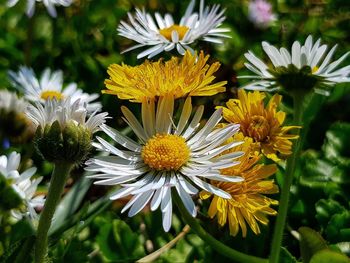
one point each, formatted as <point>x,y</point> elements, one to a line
<point>329,256</point>
<point>118,242</point>
<point>337,145</point>
<point>326,208</point>
<point>310,243</point>
<point>338,228</point>
<point>286,256</point>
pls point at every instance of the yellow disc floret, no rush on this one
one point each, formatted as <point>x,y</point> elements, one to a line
<point>181,30</point>
<point>51,94</point>
<point>165,152</point>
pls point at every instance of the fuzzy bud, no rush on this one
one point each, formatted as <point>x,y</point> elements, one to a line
<point>70,143</point>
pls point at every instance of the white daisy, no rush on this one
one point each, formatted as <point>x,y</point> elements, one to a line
<point>307,65</point>
<point>10,102</point>
<point>65,113</point>
<point>14,125</point>
<point>49,4</point>
<point>50,86</point>
<point>165,34</point>
<point>22,184</point>
<point>167,156</point>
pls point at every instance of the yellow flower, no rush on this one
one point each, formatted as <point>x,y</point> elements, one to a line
<point>190,75</point>
<point>262,124</point>
<point>248,204</point>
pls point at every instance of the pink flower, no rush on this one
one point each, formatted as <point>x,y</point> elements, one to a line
<point>260,13</point>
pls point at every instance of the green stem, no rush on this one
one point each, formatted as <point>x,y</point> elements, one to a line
<point>210,240</point>
<point>288,179</point>
<point>58,181</point>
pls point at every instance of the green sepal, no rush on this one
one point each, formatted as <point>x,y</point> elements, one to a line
<point>70,143</point>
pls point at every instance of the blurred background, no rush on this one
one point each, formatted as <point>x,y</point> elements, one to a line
<point>82,41</point>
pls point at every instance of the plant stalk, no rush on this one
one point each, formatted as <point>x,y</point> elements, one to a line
<point>285,191</point>
<point>210,240</point>
<point>58,180</point>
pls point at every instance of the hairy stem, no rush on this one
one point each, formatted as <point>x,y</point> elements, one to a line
<point>288,179</point>
<point>58,181</point>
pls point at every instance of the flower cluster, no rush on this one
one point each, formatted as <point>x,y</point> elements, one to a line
<point>175,148</point>
<point>171,152</point>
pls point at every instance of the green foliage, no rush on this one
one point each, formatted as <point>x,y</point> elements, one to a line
<point>326,256</point>
<point>310,243</point>
<point>118,242</point>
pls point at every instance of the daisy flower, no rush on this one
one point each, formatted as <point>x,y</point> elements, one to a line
<point>248,205</point>
<point>186,76</point>
<point>10,102</point>
<point>260,13</point>
<point>167,156</point>
<point>165,34</point>
<point>49,4</point>
<point>64,132</point>
<point>13,122</point>
<point>263,124</point>
<point>50,86</point>
<point>22,184</point>
<point>306,67</point>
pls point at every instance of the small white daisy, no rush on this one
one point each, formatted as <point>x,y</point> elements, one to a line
<point>165,34</point>
<point>49,4</point>
<point>307,65</point>
<point>50,86</point>
<point>167,156</point>
<point>22,184</point>
<point>64,112</point>
<point>10,102</point>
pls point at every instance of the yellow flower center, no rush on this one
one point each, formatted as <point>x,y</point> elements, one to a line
<point>258,128</point>
<point>165,152</point>
<point>181,30</point>
<point>314,69</point>
<point>50,94</point>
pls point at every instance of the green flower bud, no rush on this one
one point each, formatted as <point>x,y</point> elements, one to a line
<point>70,143</point>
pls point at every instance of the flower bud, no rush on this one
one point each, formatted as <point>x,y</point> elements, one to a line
<point>70,143</point>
